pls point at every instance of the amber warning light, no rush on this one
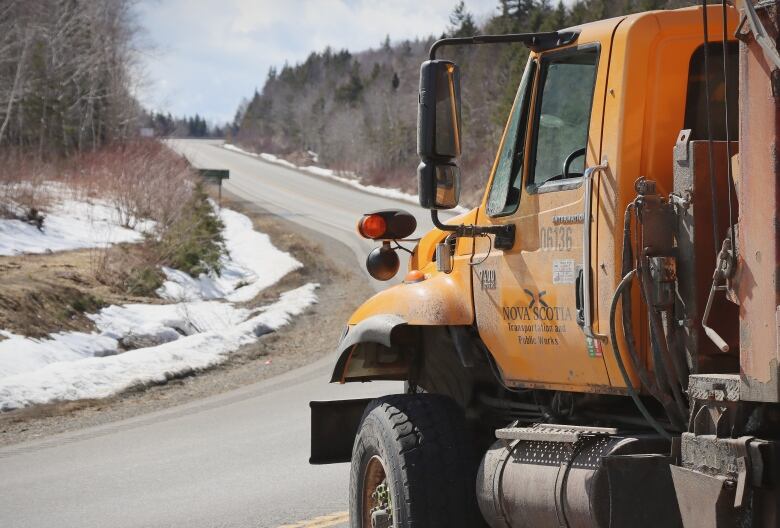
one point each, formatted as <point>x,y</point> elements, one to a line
<point>387,224</point>
<point>372,226</point>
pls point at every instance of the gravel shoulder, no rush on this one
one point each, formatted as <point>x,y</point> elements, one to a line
<point>343,286</point>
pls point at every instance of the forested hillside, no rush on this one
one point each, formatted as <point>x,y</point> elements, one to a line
<point>65,74</point>
<point>357,111</point>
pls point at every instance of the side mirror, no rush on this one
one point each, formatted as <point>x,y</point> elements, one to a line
<point>439,135</point>
<point>438,184</point>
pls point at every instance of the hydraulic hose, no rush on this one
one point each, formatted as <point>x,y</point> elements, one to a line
<point>665,369</point>
<point>627,319</point>
<point>668,364</point>
<point>657,385</point>
<point>648,381</point>
<point>673,343</point>
<point>625,283</point>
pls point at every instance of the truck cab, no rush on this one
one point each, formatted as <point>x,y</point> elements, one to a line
<point>613,101</point>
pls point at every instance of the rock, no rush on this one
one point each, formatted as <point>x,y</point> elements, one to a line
<point>107,352</point>
<point>134,341</point>
<point>261,330</point>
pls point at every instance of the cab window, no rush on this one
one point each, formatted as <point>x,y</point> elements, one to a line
<point>562,116</point>
<point>505,191</point>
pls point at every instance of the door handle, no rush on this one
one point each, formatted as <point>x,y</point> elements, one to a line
<point>587,316</point>
<point>579,300</point>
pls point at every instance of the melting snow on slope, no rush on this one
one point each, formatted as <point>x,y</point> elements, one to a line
<point>70,224</point>
<point>252,264</point>
<point>99,377</point>
<point>163,340</point>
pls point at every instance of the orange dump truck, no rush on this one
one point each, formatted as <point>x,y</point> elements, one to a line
<point>596,344</point>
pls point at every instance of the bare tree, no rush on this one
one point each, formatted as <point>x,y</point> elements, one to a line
<point>65,81</point>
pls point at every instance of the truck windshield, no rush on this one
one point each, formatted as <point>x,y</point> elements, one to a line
<point>562,115</point>
<point>505,190</point>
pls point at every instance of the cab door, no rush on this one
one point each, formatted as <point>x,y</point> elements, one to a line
<point>527,299</point>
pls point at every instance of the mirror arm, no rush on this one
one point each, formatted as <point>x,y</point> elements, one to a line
<point>505,234</point>
<point>439,225</point>
<point>535,41</point>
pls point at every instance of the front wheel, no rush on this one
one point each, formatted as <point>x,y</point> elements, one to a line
<point>413,465</point>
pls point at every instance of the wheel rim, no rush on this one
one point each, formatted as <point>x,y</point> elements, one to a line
<point>377,510</point>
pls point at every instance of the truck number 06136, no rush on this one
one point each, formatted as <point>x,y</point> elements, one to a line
<point>558,238</point>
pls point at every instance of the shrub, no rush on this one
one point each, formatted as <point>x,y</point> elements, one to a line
<point>194,242</point>
<point>143,281</point>
<point>141,179</point>
<point>21,189</point>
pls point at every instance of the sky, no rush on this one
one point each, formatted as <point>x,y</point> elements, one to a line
<point>204,56</point>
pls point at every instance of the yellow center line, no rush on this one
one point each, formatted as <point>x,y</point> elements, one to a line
<point>322,521</point>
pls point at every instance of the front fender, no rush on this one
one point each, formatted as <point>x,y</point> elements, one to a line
<point>440,299</point>
<point>384,332</point>
<point>372,342</point>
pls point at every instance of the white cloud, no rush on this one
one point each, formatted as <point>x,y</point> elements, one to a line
<point>211,53</point>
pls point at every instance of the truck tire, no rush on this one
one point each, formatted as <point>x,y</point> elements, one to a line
<point>413,465</point>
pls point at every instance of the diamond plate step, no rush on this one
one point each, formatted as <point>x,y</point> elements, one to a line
<point>552,432</point>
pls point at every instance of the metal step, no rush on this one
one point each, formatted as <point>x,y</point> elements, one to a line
<point>552,433</point>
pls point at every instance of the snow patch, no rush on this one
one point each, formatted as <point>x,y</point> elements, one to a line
<point>138,344</point>
<point>26,354</point>
<point>100,377</point>
<point>70,224</point>
<point>158,319</point>
<point>252,264</point>
<point>279,161</point>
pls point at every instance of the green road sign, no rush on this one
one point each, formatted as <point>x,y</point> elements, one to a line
<point>214,175</point>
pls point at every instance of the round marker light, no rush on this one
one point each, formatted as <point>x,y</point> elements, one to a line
<point>383,263</point>
<point>372,226</point>
<point>414,276</point>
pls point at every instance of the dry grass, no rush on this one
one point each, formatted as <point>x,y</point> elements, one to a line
<point>143,181</point>
<point>42,294</point>
<point>21,189</point>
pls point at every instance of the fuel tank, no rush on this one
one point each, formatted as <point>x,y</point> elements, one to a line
<point>576,477</point>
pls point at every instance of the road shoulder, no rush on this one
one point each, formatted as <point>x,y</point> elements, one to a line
<point>308,338</point>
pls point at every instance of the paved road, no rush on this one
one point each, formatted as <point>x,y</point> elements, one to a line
<point>318,203</point>
<point>237,459</point>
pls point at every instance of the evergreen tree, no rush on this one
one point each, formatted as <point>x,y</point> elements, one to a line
<point>462,22</point>
<point>350,91</point>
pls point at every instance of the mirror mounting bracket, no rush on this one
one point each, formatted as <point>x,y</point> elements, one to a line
<point>534,41</point>
<point>505,234</point>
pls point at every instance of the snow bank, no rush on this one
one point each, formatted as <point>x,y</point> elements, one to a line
<point>352,181</point>
<point>252,264</point>
<point>99,377</point>
<point>186,318</point>
<point>278,161</point>
<point>139,344</point>
<point>70,224</point>
<point>25,354</point>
